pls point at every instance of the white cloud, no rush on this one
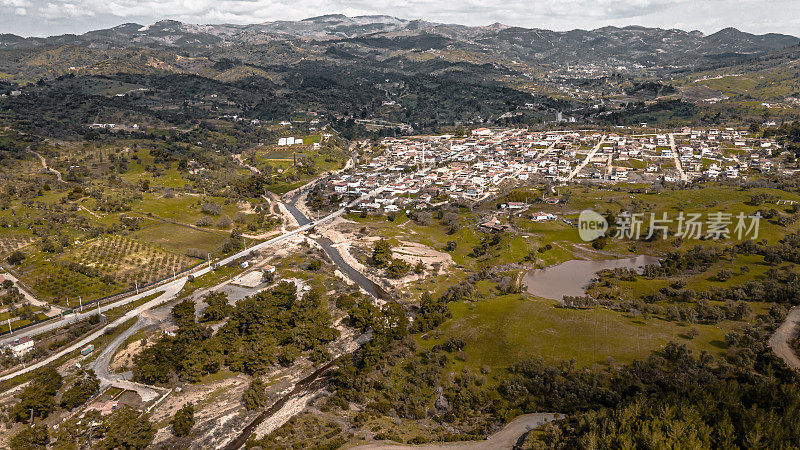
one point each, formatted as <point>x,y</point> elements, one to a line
<point>64,10</point>
<point>15,3</point>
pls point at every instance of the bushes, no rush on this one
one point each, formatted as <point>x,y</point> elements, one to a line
<point>15,257</point>
<point>255,396</point>
<point>37,400</point>
<point>314,265</point>
<point>486,243</point>
<point>84,388</point>
<point>30,438</point>
<point>211,208</point>
<point>183,420</point>
<point>397,268</point>
<point>127,428</point>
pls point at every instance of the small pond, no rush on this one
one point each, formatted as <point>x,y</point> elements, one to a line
<point>572,277</point>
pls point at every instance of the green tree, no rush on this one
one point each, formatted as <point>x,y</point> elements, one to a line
<point>183,421</point>
<point>218,307</point>
<point>30,438</point>
<point>255,396</point>
<point>127,429</point>
<point>38,399</point>
<point>382,253</point>
<point>397,268</point>
<point>183,313</point>
<point>86,386</point>
<point>15,258</point>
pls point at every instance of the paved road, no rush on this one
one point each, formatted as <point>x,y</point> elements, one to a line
<point>550,148</point>
<point>49,326</point>
<point>779,342</point>
<point>100,365</point>
<point>89,311</point>
<point>170,291</point>
<point>586,161</point>
<point>506,438</point>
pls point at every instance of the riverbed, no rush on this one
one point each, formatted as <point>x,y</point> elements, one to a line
<point>571,278</point>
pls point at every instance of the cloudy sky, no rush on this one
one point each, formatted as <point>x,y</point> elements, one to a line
<point>48,17</point>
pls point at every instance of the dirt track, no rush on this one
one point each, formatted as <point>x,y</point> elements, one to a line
<point>503,439</point>
<point>779,342</point>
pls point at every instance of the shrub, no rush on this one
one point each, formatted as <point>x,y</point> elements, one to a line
<point>183,421</point>
<point>255,396</point>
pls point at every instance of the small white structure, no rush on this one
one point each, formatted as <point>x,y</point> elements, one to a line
<point>21,346</point>
<point>542,216</point>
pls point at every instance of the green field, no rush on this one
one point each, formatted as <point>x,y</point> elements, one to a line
<point>178,239</point>
<point>501,330</point>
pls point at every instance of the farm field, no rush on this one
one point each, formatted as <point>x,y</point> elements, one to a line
<point>183,208</point>
<point>13,242</point>
<point>178,238</point>
<point>98,268</point>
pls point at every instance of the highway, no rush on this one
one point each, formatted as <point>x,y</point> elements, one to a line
<point>171,289</point>
<point>87,312</point>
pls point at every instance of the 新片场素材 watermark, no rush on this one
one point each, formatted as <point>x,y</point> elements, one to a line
<point>711,225</point>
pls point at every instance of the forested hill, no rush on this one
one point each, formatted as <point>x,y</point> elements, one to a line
<point>649,47</point>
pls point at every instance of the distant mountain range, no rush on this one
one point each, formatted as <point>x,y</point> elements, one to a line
<point>645,47</point>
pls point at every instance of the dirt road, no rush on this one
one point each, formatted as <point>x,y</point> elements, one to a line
<point>780,341</point>
<point>46,168</point>
<point>503,439</point>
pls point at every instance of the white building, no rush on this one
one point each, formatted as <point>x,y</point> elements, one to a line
<point>21,346</point>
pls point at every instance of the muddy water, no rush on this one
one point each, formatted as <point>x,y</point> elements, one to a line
<point>572,277</point>
<point>368,285</point>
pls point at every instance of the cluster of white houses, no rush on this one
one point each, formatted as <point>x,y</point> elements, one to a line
<point>422,170</point>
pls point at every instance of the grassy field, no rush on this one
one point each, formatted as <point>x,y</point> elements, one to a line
<point>178,239</point>
<point>500,330</point>
<point>183,208</point>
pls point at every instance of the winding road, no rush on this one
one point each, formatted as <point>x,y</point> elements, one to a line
<point>780,342</point>
<point>100,365</point>
<point>170,291</point>
<point>46,168</point>
<point>507,438</point>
